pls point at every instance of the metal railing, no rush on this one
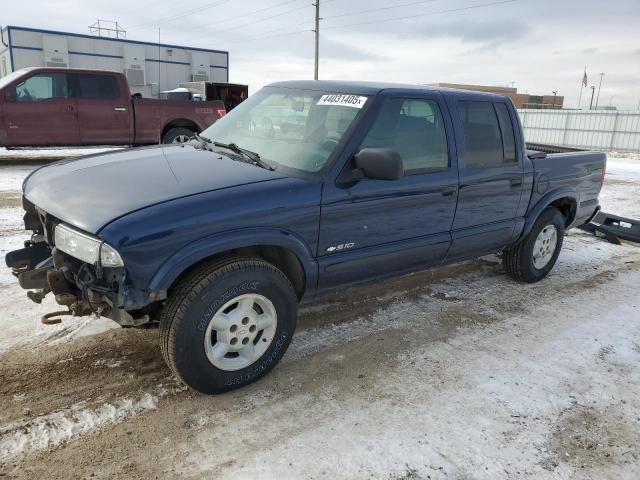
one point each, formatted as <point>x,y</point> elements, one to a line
<point>595,130</point>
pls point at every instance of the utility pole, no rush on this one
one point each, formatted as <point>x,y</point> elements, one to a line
<point>593,90</point>
<point>555,92</point>
<point>159,63</point>
<point>599,85</point>
<point>317,31</point>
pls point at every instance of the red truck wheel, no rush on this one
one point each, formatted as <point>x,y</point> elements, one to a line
<point>178,135</point>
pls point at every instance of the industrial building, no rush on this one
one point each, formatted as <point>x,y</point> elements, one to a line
<point>520,100</point>
<point>149,67</point>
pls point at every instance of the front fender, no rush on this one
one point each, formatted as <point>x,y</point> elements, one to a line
<point>206,247</point>
<point>543,203</point>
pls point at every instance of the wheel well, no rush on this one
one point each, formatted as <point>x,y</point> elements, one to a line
<point>567,207</point>
<point>280,257</point>
<point>180,122</point>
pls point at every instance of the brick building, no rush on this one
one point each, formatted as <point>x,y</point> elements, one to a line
<point>520,100</point>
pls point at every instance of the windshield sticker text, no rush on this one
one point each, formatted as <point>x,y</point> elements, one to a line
<point>354,101</point>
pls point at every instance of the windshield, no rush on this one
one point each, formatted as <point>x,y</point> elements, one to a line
<point>297,129</point>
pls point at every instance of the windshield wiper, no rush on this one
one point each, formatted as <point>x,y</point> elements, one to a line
<point>252,157</point>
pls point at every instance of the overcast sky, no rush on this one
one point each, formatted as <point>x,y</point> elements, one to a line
<point>538,45</point>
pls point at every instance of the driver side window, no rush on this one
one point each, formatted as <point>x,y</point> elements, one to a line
<point>415,129</point>
<point>42,86</point>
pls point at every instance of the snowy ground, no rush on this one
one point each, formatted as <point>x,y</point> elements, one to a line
<point>40,154</point>
<point>454,373</point>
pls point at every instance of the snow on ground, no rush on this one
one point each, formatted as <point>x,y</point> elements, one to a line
<point>40,154</point>
<point>455,373</point>
<point>626,169</point>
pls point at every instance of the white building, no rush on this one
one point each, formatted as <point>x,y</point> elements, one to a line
<point>149,67</point>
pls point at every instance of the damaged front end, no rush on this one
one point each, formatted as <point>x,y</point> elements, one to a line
<point>85,275</point>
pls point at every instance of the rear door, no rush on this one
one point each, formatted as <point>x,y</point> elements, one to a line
<point>374,228</point>
<point>104,111</point>
<point>40,111</point>
<point>491,177</point>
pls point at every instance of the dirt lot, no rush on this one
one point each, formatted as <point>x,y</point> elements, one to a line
<point>456,373</point>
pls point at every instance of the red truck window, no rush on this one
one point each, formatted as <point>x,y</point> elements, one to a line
<point>42,86</point>
<point>96,87</point>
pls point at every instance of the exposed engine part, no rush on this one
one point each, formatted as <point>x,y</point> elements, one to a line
<point>67,299</point>
<point>28,257</point>
<point>57,281</point>
<point>77,309</point>
<point>37,296</point>
<point>49,318</point>
<point>35,279</point>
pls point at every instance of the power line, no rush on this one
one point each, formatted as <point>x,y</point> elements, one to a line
<point>272,34</point>
<point>278,32</point>
<point>370,10</point>
<point>216,32</point>
<point>470,7</point>
<point>167,19</point>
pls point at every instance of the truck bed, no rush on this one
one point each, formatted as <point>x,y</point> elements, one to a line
<point>577,173</point>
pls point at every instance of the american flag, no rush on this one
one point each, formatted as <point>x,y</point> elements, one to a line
<point>584,79</point>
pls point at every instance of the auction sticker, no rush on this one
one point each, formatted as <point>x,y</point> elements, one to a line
<point>353,101</point>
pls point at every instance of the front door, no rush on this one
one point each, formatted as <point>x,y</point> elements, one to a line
<point>104,112</point>
<point>491,178</point>
<point>374,228</point>
<point>39,111</point>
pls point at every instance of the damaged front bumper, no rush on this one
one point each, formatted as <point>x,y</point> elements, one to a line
<point>82,285</point>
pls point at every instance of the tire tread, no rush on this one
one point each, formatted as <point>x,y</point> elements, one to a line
<point>191,286</point>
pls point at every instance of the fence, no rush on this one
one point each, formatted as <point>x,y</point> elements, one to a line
<point>596,130</point>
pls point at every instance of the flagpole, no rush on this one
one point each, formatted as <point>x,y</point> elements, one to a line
<point>581,88</point>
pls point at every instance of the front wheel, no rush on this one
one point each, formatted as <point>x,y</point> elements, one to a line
<point>534,257</point>
<point>227,324</point>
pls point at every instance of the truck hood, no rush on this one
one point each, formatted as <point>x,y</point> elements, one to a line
<point>91,191</point>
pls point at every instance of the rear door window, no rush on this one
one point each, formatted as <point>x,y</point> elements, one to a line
<point>482,137</point>
<point>96,87</point>
<point>42,86</point>
<point>508,137</point>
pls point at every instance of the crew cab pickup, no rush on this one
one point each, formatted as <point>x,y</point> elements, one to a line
<point>59,106</point>
<point>304,188</point>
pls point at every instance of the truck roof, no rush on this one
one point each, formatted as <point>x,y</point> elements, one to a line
<point>373,88</point>
<point>66,69</point>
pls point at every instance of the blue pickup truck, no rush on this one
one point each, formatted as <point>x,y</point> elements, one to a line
<point>304,188</point>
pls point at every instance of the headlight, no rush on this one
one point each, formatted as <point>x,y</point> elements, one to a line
<point>85,247</point>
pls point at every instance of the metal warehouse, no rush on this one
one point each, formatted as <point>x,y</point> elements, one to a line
<point>149,67</point>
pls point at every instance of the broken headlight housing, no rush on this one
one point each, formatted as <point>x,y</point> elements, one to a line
<point>85,247</point>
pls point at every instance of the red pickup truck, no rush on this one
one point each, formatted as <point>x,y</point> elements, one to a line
<point>59,106</point>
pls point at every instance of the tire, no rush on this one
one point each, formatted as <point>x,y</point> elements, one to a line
<point>177,135</point>
<point>193,324</point>
<point>520,262</point>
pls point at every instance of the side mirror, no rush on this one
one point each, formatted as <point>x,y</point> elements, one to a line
<point>379,163</point>
<point>11,96</point>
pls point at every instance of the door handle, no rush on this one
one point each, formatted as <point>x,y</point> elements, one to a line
<point>68,108</point>
<point>516,182</point>
<point>120,109</point>
<point>448,191</point>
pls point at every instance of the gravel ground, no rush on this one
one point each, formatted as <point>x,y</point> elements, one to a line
<point>457,372</point>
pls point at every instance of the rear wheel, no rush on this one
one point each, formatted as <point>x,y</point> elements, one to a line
<point>228,323</point>
<point>534,257</point>
<point>178,135</point>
